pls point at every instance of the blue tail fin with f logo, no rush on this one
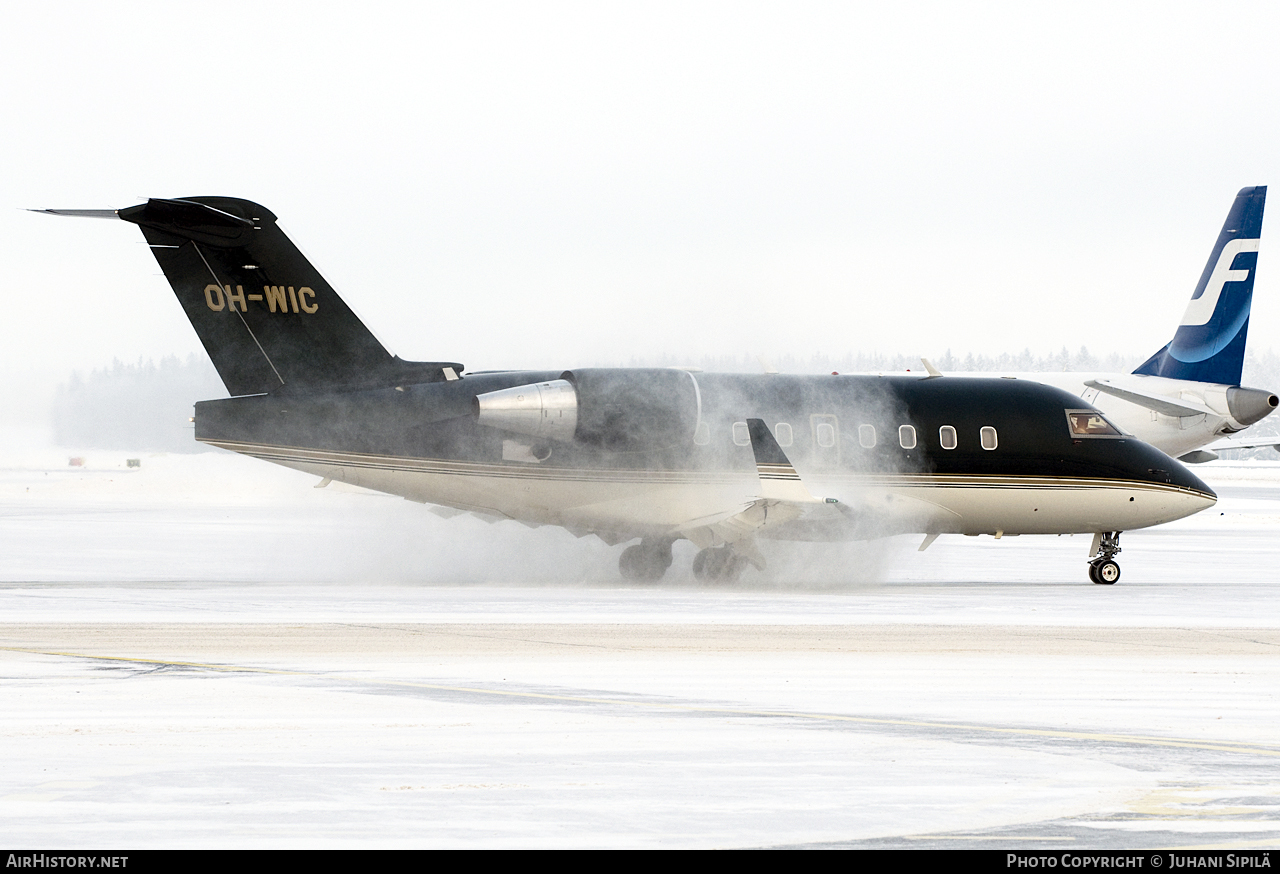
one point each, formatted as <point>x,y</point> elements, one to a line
<point>1209,343</point>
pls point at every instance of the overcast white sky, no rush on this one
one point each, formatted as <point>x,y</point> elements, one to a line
<point>549,184</point>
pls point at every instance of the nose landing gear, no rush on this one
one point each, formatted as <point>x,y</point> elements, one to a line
<point>1103,568</point>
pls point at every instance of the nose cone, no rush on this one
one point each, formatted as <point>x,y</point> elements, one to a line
<point>1193,494</point>
<point>1170,491</point>
<point>1183,478</point>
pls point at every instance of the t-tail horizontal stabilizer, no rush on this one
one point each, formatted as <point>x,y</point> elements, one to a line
<point>81,213</point>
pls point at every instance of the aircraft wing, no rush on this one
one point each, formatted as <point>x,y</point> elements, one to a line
<point>784,499</point>
<point>1210,452</point>
<point>1168,406</point>
<point>1245,443</point>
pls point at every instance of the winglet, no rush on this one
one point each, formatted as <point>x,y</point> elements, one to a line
<point>928,366</point>
<point>778,478</point>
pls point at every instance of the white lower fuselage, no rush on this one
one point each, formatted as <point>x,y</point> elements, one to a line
<point>629,503</point>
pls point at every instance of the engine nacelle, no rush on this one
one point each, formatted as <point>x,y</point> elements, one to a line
<point>623,410</point>
<point>1249,405</point>
<point>543,410</point>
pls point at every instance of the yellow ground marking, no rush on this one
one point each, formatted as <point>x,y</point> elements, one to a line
<point>1261,844</point>
<point>1097,737</point>
<point>1007,838</point>
<point>1200,802</point>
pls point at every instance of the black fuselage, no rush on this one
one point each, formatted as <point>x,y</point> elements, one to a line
<point>435,421</point>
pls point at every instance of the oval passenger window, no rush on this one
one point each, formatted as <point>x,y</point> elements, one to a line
<point>988,438</point>
<point>947,435</point>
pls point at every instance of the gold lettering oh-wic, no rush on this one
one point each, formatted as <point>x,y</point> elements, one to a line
<point>278,297</point>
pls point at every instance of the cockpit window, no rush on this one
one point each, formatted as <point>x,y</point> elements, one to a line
<point>1091,423</point>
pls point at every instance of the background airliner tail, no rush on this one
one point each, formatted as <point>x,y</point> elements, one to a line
<point>265,315</point>
<point>1209,343</point>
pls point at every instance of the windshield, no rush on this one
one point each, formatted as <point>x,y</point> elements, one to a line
<point>1091,423</point>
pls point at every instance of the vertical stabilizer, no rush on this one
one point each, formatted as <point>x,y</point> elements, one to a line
<point>1209,343</point>
<point>265,315</point>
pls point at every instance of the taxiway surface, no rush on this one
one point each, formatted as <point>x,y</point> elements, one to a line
<point>208,652</point>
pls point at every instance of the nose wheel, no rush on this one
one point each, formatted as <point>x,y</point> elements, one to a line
<point>1104,573</point>
<point>1104,570</point>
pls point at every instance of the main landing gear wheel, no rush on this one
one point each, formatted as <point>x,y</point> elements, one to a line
<point>1104,570</point>
<point>646,562</point>
<point>718,565</point>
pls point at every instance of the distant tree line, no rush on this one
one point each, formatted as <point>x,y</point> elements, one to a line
<point>143,407</point>
<point>871,362</point>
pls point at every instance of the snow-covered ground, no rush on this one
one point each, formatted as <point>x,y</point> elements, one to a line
<point>206,651</point>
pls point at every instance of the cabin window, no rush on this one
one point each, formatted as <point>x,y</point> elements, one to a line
<point>783,432</point>
<point>1091,423</point>
<point>741,435</point>
<point>702,434</point>
<point>947,437</point>
<point>907,437</point>
<point>825,429</point>
<point>867,436</point>
<point>988,435</point>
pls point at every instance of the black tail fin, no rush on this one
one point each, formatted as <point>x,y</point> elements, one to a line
<point>266,317</point>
